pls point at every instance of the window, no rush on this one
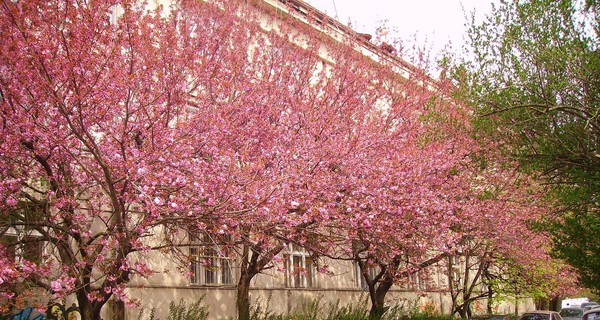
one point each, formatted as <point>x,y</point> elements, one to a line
<point>416,281</point>
<point>592,315</point>
<point>300,268</point>
<point>535,316</point>
<point>211,263</point>
<point>28,247</point>
<point>455,265</point>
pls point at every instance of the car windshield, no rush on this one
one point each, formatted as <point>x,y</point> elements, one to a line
<point>593,316</point>
<point>571,312</point>
<point>535,316</point>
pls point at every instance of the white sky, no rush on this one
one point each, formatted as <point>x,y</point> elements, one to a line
<point>433,23</point>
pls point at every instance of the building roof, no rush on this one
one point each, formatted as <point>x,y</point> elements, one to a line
<point>329,26</point>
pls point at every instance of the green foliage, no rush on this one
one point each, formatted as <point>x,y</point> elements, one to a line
<point>577,242</point>
<point>258,312</point>
<point>309,311</point>
<point>141,314</point>
<point>181,311</point>
<point>349,312</point>
<point>423,316</point>
<point>534,79</point>
<point>314,310</point>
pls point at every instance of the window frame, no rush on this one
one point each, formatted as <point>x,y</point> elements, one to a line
<point>210,263</point>
<point>300,268</point>
<point>20,246</point>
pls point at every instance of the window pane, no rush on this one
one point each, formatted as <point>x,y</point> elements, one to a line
<point>193,273</point>
<point>8,242</point>
<point>310,275</point>
<point>297,271</point>
<point>209,273</point>
<point>226,273</point>
<point>32,249</point>
<point>194,266</point>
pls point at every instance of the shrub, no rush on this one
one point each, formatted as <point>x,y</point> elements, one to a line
<point>181,311</point>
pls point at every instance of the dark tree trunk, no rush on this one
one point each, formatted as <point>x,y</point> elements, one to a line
<point>462,311</point>
<point>383,282</point>
<point>87,309</point>
<point>555,304</point>
<point>243,295</point>
<point>377,296</point>
<point>490,301</point>
<point>541,304</point>
<point>247,272</point>
<point>379,287</point>
<point>254,260</point>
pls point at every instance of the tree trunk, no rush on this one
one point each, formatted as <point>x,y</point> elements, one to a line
<point>462,311</point>
<point>243,296</point>
<point>254,260</point>
<point>377,306</point>
<point>87,309</point>
<point>555,304</point>
<point>490,302</point>
<point>247,266</point>
<point>541,304</point>
<point>377,295</point>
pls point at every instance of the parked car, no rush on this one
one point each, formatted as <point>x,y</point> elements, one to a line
<point>589,305</point>
<point>542,315</point>
<point>572,313</point>
<point>502,317</point>
<point>495,317</point>
<point>592,314</point>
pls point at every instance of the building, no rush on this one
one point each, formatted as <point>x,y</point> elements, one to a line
<point>214,270</point>
<point>204,264</point>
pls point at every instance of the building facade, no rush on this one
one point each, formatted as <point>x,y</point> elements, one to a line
<point>205,266</point>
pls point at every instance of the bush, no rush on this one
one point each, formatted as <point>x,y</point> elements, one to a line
<point>315,311</point>
<point>195,311</point>
<point>181,311</point>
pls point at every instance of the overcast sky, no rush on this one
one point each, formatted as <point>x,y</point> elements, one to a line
<point>433,22</point>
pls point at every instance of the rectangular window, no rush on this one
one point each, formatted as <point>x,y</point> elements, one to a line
<point>300,268</point>
<point>455,265</point>
<point>417,281</point>
<point>27,247</point>
<point>211,263</point>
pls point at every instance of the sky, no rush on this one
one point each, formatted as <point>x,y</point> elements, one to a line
<point>429,23</point>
